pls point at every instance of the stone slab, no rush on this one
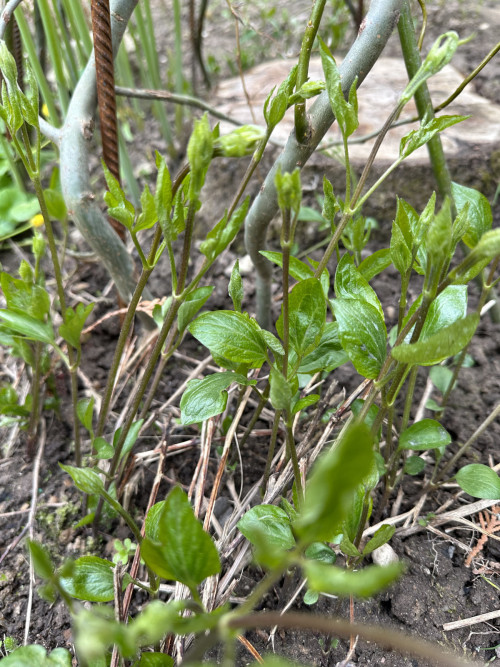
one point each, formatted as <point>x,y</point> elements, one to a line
<point>377,96</point>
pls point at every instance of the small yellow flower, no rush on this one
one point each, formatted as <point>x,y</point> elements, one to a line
<point>45,111</point>
<point>37,220</point>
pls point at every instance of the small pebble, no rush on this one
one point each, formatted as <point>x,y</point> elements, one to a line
<point>384,555</point>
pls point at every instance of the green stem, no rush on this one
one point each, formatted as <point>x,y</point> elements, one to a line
<point>62,301</point>
<point>272,447</point>
<point>35,400</point>
<point>412,58</point>
<point>292,454</point>
<point>409,397</point>
<point>186,250</point>
<point>258,410</point>
<point>120,346</point>
<point>301,120</point>
<point>285,245</point>
<point>139,393</point>
<point>354,205</point>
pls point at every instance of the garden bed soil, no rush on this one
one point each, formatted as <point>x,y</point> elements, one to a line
<point>438,587</point>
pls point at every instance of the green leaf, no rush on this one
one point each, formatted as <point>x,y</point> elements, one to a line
<point>35,655</point>
<point>438,243</point>
<point>223,233</point>
<point>332,485</point>
<point>281,392</point>
<point>235,289</point>
<point>447,308</point>
<point>363,584</point>
<point>231,335</point>
<point>55,204</point>
<point>439,55</point>
<point>310,597</point>
<point>131,438</point>
<point>289,190</point>
<point>488,246</point>
<point>414,465</point>
<point>307,90</point>
<point>152,523</point>
<point>425,434</point>
<point>163,196</point>
<point>119,207</point>
<point>85,479</point>
<point>350,284</point>
<point>24,210</point>
<point>71,329</point>
<point>479,215</point>
<point>345,112</point>
<point>327,355</point>
<point>199,154</point>
<point>206,398</point>
<point>441,377</point>
<point>275,107</point>
<point>362,333</point>
<point>148,215</point>
<point>85,412</point>
<point>104,449</point>
<point>193,303</point>
<point>41,560</point>
<point>28,326</point>
<point>321,552</point>
<point>297,269</point>
<point>269,525</point>
<point>479,481</point>
<point>273,343</point>
<point>375,263</point>
<point>239,142</point>
<point>416,138</point>
<point>92,579</point>
<point>305,402</point>
<point>307,313</point>
<point>380,537</point>
<point>441,345</point>
<point>401,239</point>
<point>155,660</point>
<point>348,548</point>
<point>23,296</point>
<point>331,205</point>
<point>185,552</point>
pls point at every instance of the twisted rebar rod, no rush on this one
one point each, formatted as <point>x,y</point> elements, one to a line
<point>76,135</point>
<point>106,99</point>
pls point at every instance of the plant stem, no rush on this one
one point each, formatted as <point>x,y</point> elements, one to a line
<point>35,401</point>
<point>285,246</point>
<point>139,393</point>
<point>411,55</point>
<point>62,302</point>
<point>385,637</point>
<point>301,120</point>
<point>270,451</point>
<point>353,204</point>
<point>258,410</point>
<point>292,455</point>
<point>409,397</point>
<point>120,346</point>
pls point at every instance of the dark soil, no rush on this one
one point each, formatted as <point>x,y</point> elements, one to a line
<point>438,587</point>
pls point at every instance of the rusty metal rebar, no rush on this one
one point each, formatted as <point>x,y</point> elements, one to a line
<point>105,75</point>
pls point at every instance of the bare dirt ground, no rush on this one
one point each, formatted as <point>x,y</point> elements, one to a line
<point>438,587</point>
